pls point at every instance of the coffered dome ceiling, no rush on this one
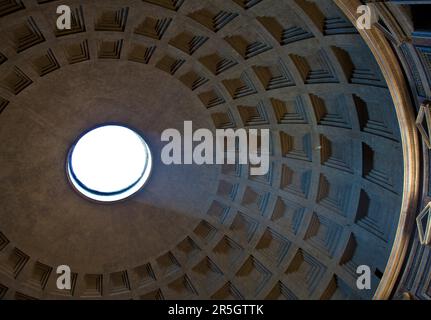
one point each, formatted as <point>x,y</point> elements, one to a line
<point>330,202</point>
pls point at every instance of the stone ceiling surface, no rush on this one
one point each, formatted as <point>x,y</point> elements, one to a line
<point>329,203</point>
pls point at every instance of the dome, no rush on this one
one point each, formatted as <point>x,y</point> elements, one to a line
<point>347,170</point>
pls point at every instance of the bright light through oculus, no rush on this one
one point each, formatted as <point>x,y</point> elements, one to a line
<point>109,163</point>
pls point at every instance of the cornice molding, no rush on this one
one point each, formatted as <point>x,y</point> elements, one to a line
<point>392,71</point>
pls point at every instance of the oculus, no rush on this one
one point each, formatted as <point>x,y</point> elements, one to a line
<point>109,163</point>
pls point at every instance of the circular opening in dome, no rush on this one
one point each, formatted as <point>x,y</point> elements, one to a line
<point>109,163</point>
